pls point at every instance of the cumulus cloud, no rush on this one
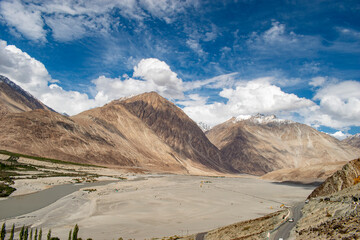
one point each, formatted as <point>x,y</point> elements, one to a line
<point>248,98</point>
<point>27,71</point>
<point>152,74</point>
<point>340,135</point>
<point>32,76</point>
<point>259,96</point>
<point>339,105</point>
<point>159,74</point>
<point>149,75</point>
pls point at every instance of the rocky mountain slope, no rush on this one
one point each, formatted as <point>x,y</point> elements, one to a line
<point>14,99</point>
<point>333,210</point>
<point>162,139</point>
<point>261,144</point>
<point>176,129</point>
<point>344,178</point>
<point>353,140</point>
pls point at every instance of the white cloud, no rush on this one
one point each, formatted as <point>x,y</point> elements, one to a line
<point>30,74</point>
<point>221,81</point>
<point>166,9</point>
<point>25,20</point>
<point>349,32</point>
<point>339,105</point>
<point>195,46</point>
<point>278,41</point>
<point>248,98</point>
<point>66,28</point>
<point>159,74</point>
<point>69,20</point>
<point>211,35</point>
<point>340,135</point>
<point>343,90</point>
<point>317,81</point>
<point>259,96</point>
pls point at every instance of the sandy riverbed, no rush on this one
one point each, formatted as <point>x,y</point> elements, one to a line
<point>157,206</point>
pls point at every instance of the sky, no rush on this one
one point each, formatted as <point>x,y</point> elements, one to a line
<point>299,60</point>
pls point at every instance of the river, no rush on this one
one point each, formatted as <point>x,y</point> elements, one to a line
<point>23,204</point>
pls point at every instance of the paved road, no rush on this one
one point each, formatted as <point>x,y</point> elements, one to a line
<point>284,230</point>
<point>200,236</point>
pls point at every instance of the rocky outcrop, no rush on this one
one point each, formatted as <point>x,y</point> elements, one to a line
<point>333,216</point>
<point>261,144</point>
<point>344,178</point>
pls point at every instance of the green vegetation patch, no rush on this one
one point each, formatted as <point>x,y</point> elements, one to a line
<point>5,190</point>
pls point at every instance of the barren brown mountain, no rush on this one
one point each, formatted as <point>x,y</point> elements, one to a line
<point>261,144</point>
<point>113,135</point>
<point>175,128</point>
<point>353,140</point>
<point>14,99</point>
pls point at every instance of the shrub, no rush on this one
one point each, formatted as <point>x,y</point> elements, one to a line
<point>21,234</point>
<point>75,232</point>
<point>26,234</point>
<point>12,232</point>
<point>3,232</point>
<point>49,235</point>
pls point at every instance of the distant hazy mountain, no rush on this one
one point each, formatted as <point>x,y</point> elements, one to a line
<point>14,99</point>
<point>353,140</point>
<point>260,144</point>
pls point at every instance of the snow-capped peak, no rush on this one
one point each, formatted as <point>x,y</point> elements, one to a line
<point>262,119</point>
<point>203,126</point>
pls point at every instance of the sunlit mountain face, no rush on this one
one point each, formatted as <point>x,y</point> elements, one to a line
<point>219,60</point>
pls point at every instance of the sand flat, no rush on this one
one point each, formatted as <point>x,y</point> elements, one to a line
<point>157,206</point>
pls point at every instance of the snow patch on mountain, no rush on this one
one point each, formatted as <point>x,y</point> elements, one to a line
<point>262,119</point>
<point>203,126</point>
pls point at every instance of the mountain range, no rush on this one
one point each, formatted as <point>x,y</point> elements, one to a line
<point>261,144</point>
<point>149,133</point>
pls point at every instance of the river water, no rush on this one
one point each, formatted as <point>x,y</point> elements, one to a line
<point>19,205</point>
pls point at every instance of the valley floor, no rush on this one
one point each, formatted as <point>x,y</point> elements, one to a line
<point>147,206</point>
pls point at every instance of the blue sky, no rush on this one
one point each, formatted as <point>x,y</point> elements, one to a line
<point>215,59</point>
